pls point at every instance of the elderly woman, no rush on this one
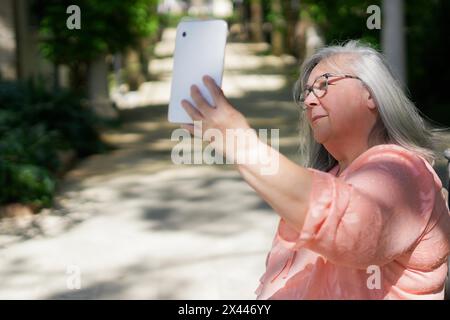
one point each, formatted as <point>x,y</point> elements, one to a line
<point>365,216</point>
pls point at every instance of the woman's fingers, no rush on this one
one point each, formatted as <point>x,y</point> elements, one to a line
<point>215,90</point>
<point>202,105</point>
<point>191,110</point>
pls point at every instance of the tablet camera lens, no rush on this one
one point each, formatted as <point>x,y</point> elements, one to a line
<point>184,34</point>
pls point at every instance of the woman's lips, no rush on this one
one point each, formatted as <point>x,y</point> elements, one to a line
<point>317,117</point>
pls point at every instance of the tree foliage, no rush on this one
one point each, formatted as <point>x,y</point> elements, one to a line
<point>107,26</point>
<point>341,20</point>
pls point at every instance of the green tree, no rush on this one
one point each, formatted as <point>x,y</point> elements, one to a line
<point>428,39</point>
<point>107,26</point>
<point>341,20</point>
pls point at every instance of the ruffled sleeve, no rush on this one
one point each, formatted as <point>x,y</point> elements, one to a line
<point>377,211</point>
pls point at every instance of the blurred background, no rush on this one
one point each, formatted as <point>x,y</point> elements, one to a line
<point>91,205</point>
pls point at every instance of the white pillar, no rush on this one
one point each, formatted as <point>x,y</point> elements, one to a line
<point>98,89</point>
<point>393,36</point>
<point>8,45</point>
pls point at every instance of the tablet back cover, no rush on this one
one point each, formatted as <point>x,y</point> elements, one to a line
<point>199,51</point>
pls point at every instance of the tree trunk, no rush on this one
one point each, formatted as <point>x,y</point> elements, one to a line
<point>133,69</point>
<point>256,19</point>
<point>277,28</point>
<point>78,77</point>
<point>98,89</point>
<point>291,10</point>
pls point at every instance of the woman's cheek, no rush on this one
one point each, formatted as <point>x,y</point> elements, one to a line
<point>322,131</point>
<point>334,126</point>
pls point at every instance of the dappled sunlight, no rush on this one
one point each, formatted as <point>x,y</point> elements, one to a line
<point>121,138</point>
<point>97,180</point>
<point>180,222</point>
<point>141,220</point>
<point>236,86</point>
<point>247,68</point>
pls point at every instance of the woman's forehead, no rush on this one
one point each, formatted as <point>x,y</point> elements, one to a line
<point>321,68</point>
<point>318,71</point>
<point>335,64</point>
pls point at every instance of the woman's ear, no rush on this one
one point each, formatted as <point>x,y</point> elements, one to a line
<point>370,100</point>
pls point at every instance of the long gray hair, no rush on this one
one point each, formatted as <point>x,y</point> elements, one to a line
<point>399,120</point>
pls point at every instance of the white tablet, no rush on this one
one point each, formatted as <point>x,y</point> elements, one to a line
<point>199,51</point>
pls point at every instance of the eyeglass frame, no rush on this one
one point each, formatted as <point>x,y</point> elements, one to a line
<point>302,97</point>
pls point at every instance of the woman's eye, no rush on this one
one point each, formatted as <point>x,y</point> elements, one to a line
<point>322,85</point>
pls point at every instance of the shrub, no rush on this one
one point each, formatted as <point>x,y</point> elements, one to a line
<point>35,125</point>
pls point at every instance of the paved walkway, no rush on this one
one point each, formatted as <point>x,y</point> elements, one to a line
<point>132,225</point>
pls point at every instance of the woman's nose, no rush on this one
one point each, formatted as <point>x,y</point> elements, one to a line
<point>311,100</point>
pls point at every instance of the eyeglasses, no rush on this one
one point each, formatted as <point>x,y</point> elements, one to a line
<point>320,87</point>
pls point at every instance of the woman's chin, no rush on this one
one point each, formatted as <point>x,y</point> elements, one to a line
<point>320,136</point>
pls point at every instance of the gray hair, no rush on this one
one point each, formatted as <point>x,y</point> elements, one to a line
<point>399,121</point>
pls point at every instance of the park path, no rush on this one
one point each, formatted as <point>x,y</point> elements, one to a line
<point>132,225</point>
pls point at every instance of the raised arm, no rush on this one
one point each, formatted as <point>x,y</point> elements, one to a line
<point>286,189</point>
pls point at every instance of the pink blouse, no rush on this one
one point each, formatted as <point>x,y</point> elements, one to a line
<point>381,230</point>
